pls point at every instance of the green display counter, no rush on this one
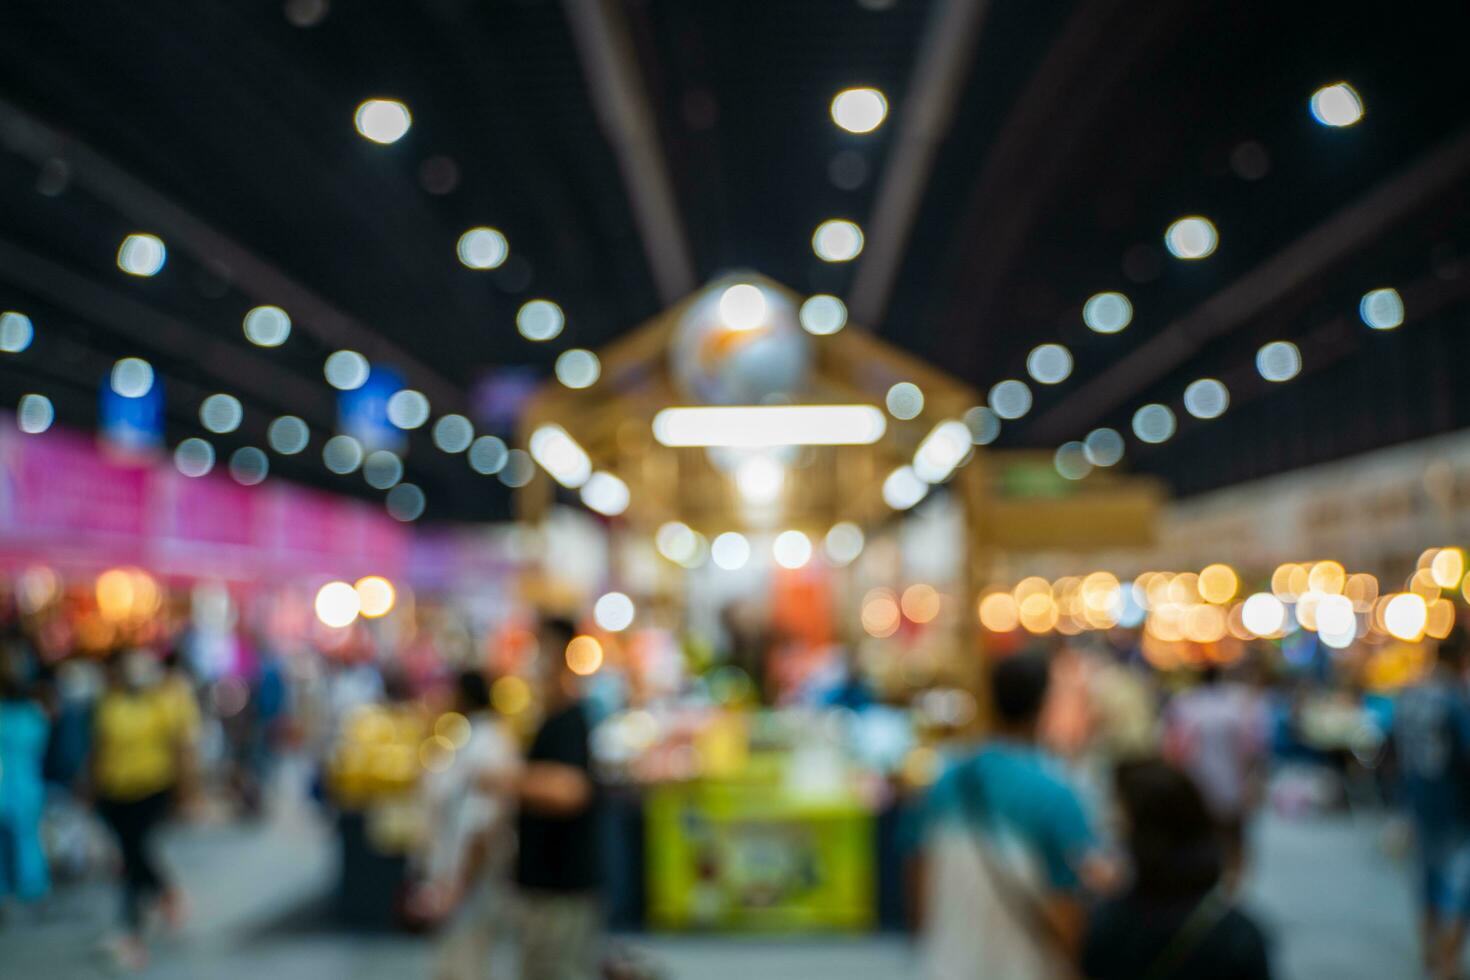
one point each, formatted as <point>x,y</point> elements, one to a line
<point>753,857</point>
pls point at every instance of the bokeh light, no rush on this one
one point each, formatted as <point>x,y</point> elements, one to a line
<point>483,248</point>
<point>540,320</point>
<point>249,466</point>
<point>823,315</point>
<point>1192,237</point>
<point>743,307</point>
<point>1405,616</point>
<point>453,433</point>
<point>584,655</point>
<point>16,332</point>
<point>1279,361</point>
<point>578,368</point>
<point>1382,309</point>
<point>1049,364</point>
<point>1010,399</point>
<point>342,454</point>
<point>983,423</point>
<point>1107,312</point>
<point>34,414</point>
<point>221,413</point>
<point>614,612</point>
<point>346,370</point>
<point>1218,583</point>
<point>406,502</point>
<point>1154,423</point>
<point>905,400</point>
<point>141,254</point>
<point>383,120</point>
<point>1071,461</point>
<point>859,110</point>
<point>730,551</point>
<point>487,455</point>
<point>194,457</point>
<point>267,326</point>
<point>844,542</point>
<point>837,240</point>
<point>605,493</point>
<point>1336,105</point>
<point>288,435</point>
<point>921,603</point>
<point>337,605</point>
<point>903,488</point>
<point>382,469</point>
<point>998,612</point>
<point>375,596</point>
<point>792,549</point>
<point>1103,447</point>
<point>132,377</point>
<point>1206,398</point>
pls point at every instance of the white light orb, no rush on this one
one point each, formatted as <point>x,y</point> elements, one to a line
<point>382,469</point>
<point>1336,105</point>
<point>1335,616</point>
<point>1206,398</point>
<point>34,414</point>
<point>1193,237</point>
<point>267,326</point>
<point>983,423</point>
<point>1382,309</point>
<point>518,470</point>
<point>578,368</point>
<point>194,457</point>
<point>288,435</point>
<point>837,240</point>
<point>760,479</point>
<point>540,320</point>
<point>676,541</point>
<point>1263,614</point>
<point>1154,423</point>
<point>859,110</point>
<point>823,315</point>
<point>487,455</point>
<point>453,433</point>
<point>730,551</point>
<point>792,549</point>
<point>903,488</point>
<point>1049,364</point>
<point>337,605</point>
<point>1071,461</point>
<point>342,454</point>
<point>1010,399</point>
<point>1279,361</point>
<point>1405,616</point>
<point>16,332</point>
<point>383,120</point>
<point>743,307</point>
<point>483,248</point>
<point>141,254</point>
<point>1103,447</point>
<point>1107,312</point>
<point>844,542</point>
<point>406,503</point>
<point>614,612</point>
<point>346,370</point>
<point>221,413</point>
<point>132,377</point>
<point>606,494</point>
<point>249,466</point>
<point>905,400</point>
<point>408,408</point>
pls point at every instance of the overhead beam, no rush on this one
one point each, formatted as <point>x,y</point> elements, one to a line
<point>940,68</point>
<point>615,85</point>
<point>1352,228</point>
<point>29,137</point>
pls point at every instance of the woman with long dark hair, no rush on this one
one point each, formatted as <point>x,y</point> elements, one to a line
<point>1176,919</point>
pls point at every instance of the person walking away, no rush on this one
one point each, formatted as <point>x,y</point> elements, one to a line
<point>557,867</point>
<point>1431,744</point>
<point>467,870</point>
<point>24,873</point>
<point>1175,919</point>
<point>1007,846</point>
<point>1217,732</point>
<point>141,757</point>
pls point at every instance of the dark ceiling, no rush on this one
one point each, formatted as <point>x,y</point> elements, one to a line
<point>1078,132</point>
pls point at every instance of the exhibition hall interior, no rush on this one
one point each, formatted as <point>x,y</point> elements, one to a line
<point>657,489</point>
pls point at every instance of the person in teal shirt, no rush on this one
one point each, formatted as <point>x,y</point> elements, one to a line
<point>23,731</point>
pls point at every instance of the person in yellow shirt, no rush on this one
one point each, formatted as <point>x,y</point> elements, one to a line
<point>146,725</point>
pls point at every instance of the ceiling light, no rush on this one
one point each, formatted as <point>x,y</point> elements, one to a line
<point>346,370</point>
<point>792,549</point>
<point>943,449</point>
<point>540,319</point>
<point>1103,447</point>
<point>249,466</point>
<point>606,494</point>
<point>757,426</point>
<point>408,408</point>
<point>194,457</point>
<point>34,414</point>
<point>453,433</point>
<point>288,435</point>
<point>487,455</point>
<point>383,120</point>
<point>1154,423</point>
<point>1071,461</point>
<point>760,479</point>
<point>1010,399</point>
<point>859,110</point>
<point>1206,398</point>
<point>561,456</point>
<point>730,551</point>
<point>1049,364</point>
<point>1193,237</point>
<point>132,377</point>
<point>483,248</point>
<point>382,469</point>
<point>1336,105</point>
<point>577,368</point>
<point>342,454</point>
<point>823,315</point>
<point>1107,312</point>
<point>141,254</point>
<point>1279,361</point>
<point>905,400</point>
<point>221,413</point>
<point>743,307</point>
<point>267,326</point>
<point>837,240</point>
<point>16,332</point>
<point>1382,309</point>
<point>903,488</point>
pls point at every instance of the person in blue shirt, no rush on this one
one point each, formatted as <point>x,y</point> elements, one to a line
<point>1431,741</point>
<point>1007,845</point>
<point>23,730</point>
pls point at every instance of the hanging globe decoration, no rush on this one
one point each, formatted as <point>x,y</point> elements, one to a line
<point>740,343</point>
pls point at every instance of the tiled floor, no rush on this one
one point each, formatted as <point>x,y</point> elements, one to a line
<point>1336,905</point>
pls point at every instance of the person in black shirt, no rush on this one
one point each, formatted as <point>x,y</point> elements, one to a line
<point>558,869</point>
<point>1176,920</point>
